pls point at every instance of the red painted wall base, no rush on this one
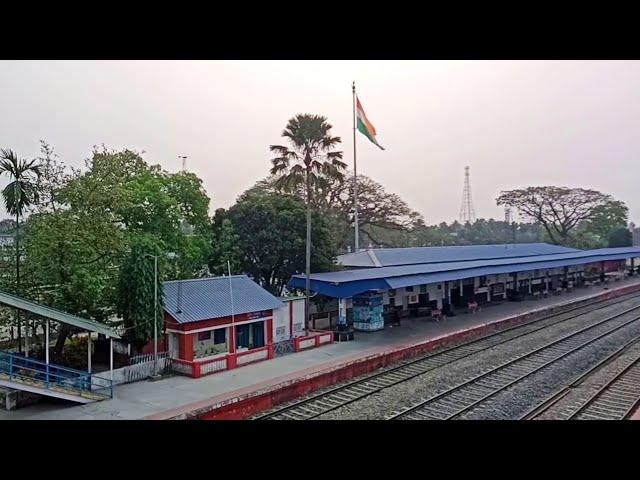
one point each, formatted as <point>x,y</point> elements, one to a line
<point>240,408</point>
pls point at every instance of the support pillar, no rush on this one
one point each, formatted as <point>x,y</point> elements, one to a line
<point>602,276</point>
<point>46,343</point>
<point>342,313</point>
<point>26,338</point>
<point>632,261</point>
<point>232,358</point>
<point>89,352</point>
<point>111,358</point>
<point>343,332</point>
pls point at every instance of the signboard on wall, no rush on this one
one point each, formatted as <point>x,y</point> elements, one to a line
<point>253,315</point>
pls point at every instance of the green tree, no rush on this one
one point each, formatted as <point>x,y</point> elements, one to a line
<point>611,215</point>
<point>145,202</point>
<point>89,226</point>
<point>383,217</point>
<point>71,263</point>
<point>560,210</point>
<point>18,195</point>
<point>225,245</point>
<point>620,237</point>
<point>270,231</point>
<point>310,157</point>
<point>137,288</point>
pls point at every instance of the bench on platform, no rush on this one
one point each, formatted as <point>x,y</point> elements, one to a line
<point>437,314</point>
<point>472,307</point>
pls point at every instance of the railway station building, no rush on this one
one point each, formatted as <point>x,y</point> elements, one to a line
<point>220,323</point>
<point>437,281</point>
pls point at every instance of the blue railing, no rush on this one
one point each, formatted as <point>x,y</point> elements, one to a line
<point>51,376</point>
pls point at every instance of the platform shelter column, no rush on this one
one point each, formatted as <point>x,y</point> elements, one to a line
<point>342,313</point>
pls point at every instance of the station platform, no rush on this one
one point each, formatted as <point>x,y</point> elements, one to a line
<point>241,392</point>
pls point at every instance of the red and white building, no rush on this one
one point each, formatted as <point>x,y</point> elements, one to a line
<point>220,323</point>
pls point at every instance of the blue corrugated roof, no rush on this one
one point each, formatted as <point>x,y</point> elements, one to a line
<point>350,282</point>
<point>207,298</point>
<point>387,257</point>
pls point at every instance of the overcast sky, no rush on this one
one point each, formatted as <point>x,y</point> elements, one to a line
<point>515,123</point>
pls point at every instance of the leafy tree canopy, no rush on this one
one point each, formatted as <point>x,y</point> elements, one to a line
<point>558,209</point>
<point>270,231</point>
<point>91,232</point>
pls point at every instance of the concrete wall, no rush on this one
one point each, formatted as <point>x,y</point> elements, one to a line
<point>282,320</point>
<point>135,373</point>
<point>11,399</point>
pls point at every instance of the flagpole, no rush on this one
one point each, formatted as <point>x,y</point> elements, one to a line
<point>355,171</point>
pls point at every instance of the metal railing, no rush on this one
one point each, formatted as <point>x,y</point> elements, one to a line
<point>147,357</point>
<point>36,373</point>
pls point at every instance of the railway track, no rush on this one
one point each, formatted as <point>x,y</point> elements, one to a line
<point>472,393</point>
<point>616,399</point>
<point>318,404</point>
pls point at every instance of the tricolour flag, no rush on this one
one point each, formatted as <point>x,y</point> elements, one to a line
<point>365,126</point>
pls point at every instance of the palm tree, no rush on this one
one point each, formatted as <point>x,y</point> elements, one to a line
<point>311,158</point>
<point>19,194</point>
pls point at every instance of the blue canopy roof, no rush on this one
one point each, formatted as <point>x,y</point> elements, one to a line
<point>208,298</point>
<point>346,283</point>
<point>387,257</point>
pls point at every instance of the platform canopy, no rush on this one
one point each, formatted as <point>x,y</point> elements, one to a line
<point>56,315</point>
<point>390,257</point>
<point>346,283</point>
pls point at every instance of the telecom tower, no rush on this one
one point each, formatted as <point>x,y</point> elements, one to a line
<point>467,213</point>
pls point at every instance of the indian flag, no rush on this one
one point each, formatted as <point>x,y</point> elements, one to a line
<point>365,126</point>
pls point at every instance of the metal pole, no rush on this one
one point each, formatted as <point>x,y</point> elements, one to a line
<point>111,357</point>
<point>155,316</point>
<point>355,172</point>
<point>89,352</point>
<point>26,338</point>
<point>46,342</point>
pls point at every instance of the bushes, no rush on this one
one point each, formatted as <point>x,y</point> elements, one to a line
<point>74,354</point>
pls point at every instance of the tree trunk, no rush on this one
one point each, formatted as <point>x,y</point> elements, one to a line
<point>308,253</point>
<point>63,334</point>
<point>18,280</point>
